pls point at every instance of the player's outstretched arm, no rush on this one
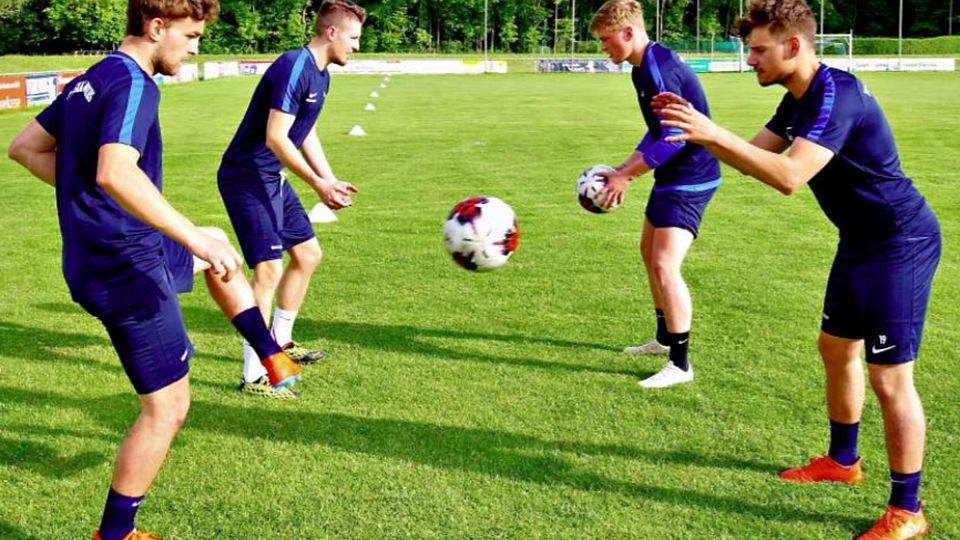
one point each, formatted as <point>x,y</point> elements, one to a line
<point>119,176</point>
<point>36,150</point>
<point>278,141</point>
<point>785,173</point>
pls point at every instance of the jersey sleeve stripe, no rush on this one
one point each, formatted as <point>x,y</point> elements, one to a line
<point>133,103</point>
<point>294,77</point>
<point>826,107</point>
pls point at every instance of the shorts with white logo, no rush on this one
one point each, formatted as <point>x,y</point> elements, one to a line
<point>679,205</point>
<point>266,214</point>
<point>149,335</point>
<point>878,292</point>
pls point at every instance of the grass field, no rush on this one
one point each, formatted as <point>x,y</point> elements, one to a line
<point>458,405</point>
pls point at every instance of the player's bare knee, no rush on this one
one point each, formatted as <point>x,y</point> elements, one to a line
<point>890,383</point>
<point>267,274</point>
<point>307,255</point>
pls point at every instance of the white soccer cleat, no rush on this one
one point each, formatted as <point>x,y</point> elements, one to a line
<point>668,376</point>
<point>651,347</point>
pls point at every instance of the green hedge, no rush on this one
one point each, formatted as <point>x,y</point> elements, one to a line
<point>937,45</point>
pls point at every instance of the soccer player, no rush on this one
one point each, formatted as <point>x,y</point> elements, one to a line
<point>126,250</point>
<point>277,131</point>
<point>837,139</point>
<point>686,177</point>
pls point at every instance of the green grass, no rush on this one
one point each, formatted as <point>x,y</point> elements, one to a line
<point>458,405</point>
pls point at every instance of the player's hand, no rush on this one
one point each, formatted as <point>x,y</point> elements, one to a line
<point>663,99</point>
<point>336,194</point>
<point>617,184</point>
<point>223,259</point>
<point>696,126</point>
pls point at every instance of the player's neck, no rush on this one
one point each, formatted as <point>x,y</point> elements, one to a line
<point>640,44</point>
<point>140,50</point>
<point>801,79</point>
<point>318,49</point>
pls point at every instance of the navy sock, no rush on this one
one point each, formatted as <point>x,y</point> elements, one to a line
<point>905,490</point>
<point>118,515</point>
<point>661,328</point>
<point>843,442</point>
<point>251,326</point>
<point>679,343</point>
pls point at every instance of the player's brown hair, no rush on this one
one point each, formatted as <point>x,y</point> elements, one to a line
<point>617,15</point>
<point>141,11</point>
<point>784,17</point>
<point>332,11</point>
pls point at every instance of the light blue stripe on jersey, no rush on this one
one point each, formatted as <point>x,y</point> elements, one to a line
<point>133,102</point>
<point>294,77</point>
<point>826,108</point>
<point>706,186</point>
<point>658,80</point>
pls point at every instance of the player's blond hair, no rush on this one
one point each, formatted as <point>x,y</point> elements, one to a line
<point>141,11</point>
<point>616,15</point>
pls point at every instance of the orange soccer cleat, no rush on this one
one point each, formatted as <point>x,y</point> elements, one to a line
<point>132,535</point>
<point>281,370</point>
<point>898,524</point>
<point>824,469</point>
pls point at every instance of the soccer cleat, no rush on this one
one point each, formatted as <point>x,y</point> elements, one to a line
<point>262,388</point>
<point>824,469</point>
<point>651,347</point>
<point>281,370</point>
<point>898,524</point>
<point>132,535</point>
<point>303,355</point>
<point>668,376</point>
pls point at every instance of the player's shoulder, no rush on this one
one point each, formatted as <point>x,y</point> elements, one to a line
<point>841,87</point>
<point>115,73</point>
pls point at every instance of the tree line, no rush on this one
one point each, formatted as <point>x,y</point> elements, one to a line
<point>446,26</point>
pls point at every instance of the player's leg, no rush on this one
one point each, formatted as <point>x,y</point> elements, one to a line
<point>657,345</point>
<point>670,246</point>
<point>896,285</point>
<point>301,243</point>
<point>255,207</point>
<point>152,344</point>
<point>839,344</point>
<point>235,299</point>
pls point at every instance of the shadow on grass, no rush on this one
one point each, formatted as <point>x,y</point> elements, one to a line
<point>9,532</point>
<point>39,458</point>
<point>497,454</point>
<point>407,339</point>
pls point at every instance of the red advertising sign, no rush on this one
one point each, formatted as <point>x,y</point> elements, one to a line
<point>13,92</point>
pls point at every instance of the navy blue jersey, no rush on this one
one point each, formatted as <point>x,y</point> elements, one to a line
<point>107,251</point>
<point>862,190</point>
<point>683,163</point>
<point>292,84</point>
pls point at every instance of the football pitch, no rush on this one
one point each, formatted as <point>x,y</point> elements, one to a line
<point>499,405</point>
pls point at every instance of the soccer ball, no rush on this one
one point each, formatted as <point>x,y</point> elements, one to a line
<point>481,233</point>
<point>589,186</point>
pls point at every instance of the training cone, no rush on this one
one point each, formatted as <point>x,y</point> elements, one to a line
<point>357,131</point>
<point>382,85</point>
<point>321,213</point>
<point>369,107</point>
<point>374,94</point>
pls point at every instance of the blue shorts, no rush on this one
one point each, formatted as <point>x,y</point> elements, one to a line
<point>266,214</point>
<point>679,206</point>
<point>878,292</point>
<point>148,333</point>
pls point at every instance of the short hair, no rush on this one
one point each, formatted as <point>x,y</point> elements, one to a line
<point>141,11</point>
<point>783,16</point>
<point>617,15</point>
<point>332,11</point>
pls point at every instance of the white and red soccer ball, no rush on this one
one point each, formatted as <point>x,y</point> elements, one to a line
<point>481,233</point>
<point>589,187</point>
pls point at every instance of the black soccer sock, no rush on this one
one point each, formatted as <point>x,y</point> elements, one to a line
<point>119,514</point>
<point>661,328</point>
<point>679,343</point>
<point>251,326</point>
